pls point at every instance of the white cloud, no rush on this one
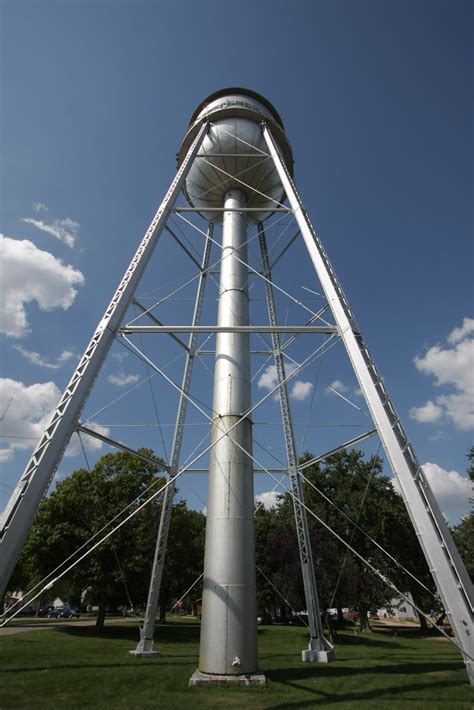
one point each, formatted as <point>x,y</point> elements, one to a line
<point>40,207</point>
<point>37,359</point>
<point>121,379</point>
<point>120,356</point>
<point>452,491</point>
<point>452,367</point>
<point>459,334</point>
<point>301,390</point>
<point>66,230</point>
<point>429,412</point>
<point>30,274</point>
<point>91,445</point>
<point>338,386</point>
<point>27,413</point>
<point>268,380</point>
<point>269,499</point>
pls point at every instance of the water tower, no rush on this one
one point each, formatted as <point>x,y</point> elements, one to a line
<point>233,147</point>
<point>235,167</point>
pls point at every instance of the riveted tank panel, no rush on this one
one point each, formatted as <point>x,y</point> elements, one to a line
<point>234,154</point>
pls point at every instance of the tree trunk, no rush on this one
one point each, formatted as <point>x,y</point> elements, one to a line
<point>162,619</point>
<point>363,619</point>
<point>99,622</point>
<point>423,624</point>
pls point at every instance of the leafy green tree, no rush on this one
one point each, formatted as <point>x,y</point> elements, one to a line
<point>80,507</point>
<point>185,556</point>
<point>470,468</point>
<point>363,495</point>
<point>368,498</point>
<point>463,533</point>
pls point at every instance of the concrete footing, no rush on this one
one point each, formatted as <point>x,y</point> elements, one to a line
<point>144,654</point>
<point>312,656</point>
<point>199,678</point>
<point>145,649</point>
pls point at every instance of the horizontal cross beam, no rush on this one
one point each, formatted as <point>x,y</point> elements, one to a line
<point>233,209</point>
<point>81,429</point>
<point>228,329</point>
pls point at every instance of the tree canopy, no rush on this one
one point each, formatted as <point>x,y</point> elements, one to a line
<point>351,495</point>
<point>118,571</point>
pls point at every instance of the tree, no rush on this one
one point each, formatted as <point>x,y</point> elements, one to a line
<point>78,509</point>
<point>463,533</point>
<point>470,468</point>
<point>365,496</point>
<point>185,556</point>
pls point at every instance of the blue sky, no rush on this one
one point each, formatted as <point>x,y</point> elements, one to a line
<point>376,98</point>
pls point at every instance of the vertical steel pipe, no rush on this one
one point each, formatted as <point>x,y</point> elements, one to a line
<point>229,614</point>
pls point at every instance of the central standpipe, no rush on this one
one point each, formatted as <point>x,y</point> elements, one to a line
<point>229,615</point>
<point>232,182</point>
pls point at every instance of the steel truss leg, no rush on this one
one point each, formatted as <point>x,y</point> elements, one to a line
<point>319,649</point>
<point>450,576</point>
<point>145,645</point>
<point>20,511</point>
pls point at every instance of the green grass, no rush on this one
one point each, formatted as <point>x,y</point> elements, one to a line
<point>75,668</point>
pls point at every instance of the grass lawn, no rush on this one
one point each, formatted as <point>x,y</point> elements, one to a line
<point>75,668</point>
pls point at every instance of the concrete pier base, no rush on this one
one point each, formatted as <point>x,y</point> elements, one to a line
<point>144,654</point>
<point>145,649</point>
<point>312,656</point>
<point>199,678</point>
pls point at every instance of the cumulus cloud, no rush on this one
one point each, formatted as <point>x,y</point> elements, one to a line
<point>341,390</point>
<point>121,379</point>
<point>451,367</point>
<point>268,380</point>
<point>27,413</point>
<point>459,334</point>
<point>429,412</point>
<point>301,390</point>
<point>91,445</point>
<point>66,230</point>
<point>452,491</point>
<point>37,359</point>
<point>30,274</point>
<point>40,207</point>
<point>338,386</point>
<point>269,499</point>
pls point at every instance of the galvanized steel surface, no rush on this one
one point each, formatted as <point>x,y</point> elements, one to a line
<point>229,613</point>
<point>234,154</point>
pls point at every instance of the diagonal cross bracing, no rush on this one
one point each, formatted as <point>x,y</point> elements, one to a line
<point>448,570</point>
<point>145,645</point>
<point>20,511</point>
<point>317,640</point>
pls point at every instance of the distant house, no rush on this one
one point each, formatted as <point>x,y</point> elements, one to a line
<point>399,610</point>
<point>15,599</point>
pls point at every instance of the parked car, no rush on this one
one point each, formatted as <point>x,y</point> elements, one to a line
<point>64,612</point>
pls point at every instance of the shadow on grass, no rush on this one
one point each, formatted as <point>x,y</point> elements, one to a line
<point>333,670</point>
<point>174,662</point>
<point>326,699</point>
<point>166,633</point>
<point>346,639</point>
